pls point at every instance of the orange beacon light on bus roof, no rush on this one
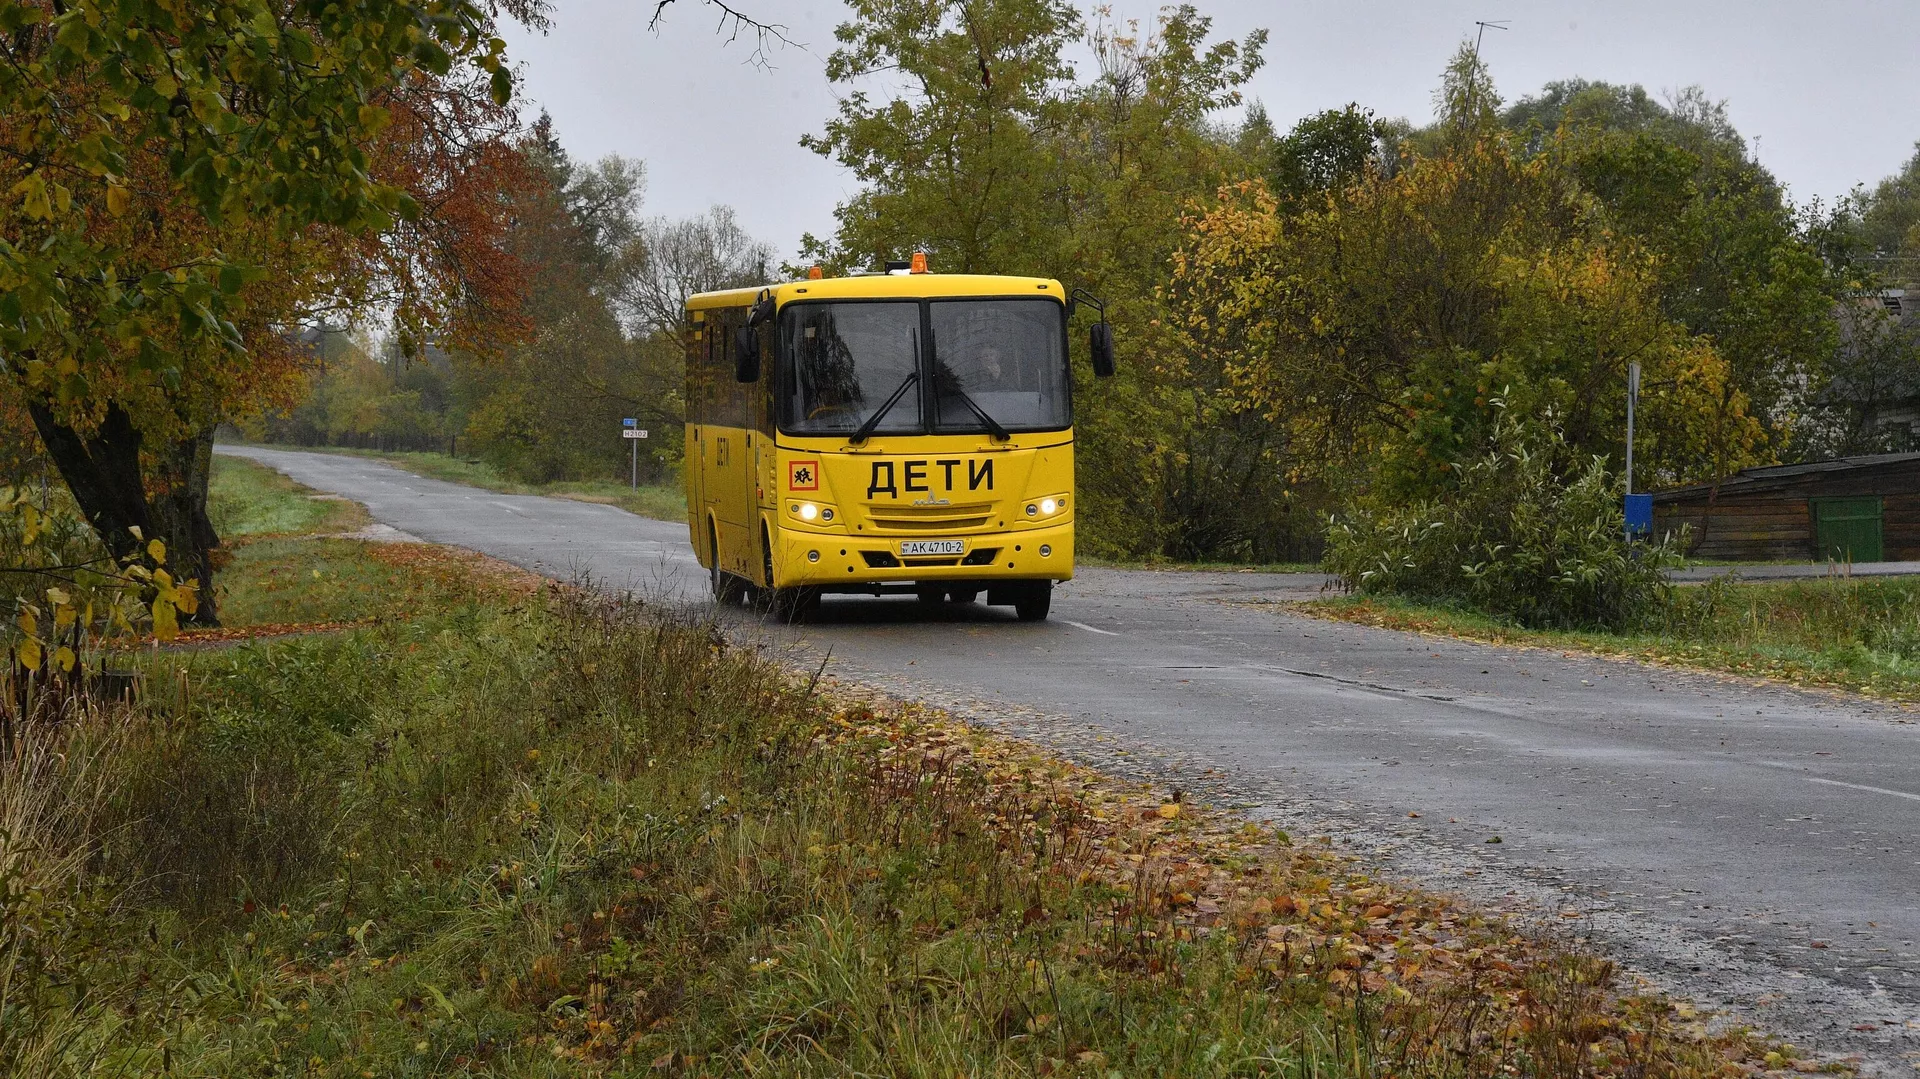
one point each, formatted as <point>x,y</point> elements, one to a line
<point>919,263</point>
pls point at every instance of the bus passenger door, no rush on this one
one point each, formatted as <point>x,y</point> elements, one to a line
<point>699,402</point>
<point>729,458</point>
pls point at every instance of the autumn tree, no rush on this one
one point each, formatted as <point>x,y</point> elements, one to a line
<point>184,180</point>
<point>1731,258</point>
<point>998,157</point>
<point>549,407</point>
<point>960,165</point>
<point>1389,327</point>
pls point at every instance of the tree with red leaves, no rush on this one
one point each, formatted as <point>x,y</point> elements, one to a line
<point>189,184</point>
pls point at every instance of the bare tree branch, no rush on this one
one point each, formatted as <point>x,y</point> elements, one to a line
<point>734,23</point>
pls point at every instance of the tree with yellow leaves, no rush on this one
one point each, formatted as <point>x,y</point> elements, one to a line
<point>1377,328</point>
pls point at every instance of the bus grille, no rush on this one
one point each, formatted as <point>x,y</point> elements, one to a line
<point>930,518</point>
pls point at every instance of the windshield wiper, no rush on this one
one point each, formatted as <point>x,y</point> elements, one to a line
<point>993,425</point>
<point>953,387</point>
<point>880,413</point>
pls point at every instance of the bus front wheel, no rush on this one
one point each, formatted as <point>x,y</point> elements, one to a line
<point>792,604</point>
<point>1034,601</point>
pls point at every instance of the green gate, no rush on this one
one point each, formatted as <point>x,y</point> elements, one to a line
<point>1846,529</point>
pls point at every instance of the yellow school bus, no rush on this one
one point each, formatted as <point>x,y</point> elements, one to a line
<point>897,432</point>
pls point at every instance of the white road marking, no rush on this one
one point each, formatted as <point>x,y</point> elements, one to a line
<point>1090,629</point>
<point>1863,787</point>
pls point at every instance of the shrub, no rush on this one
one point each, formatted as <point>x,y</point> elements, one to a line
<point>1511,538</point>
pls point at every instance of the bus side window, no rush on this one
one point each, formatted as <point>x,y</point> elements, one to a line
<point>715,372</point>
<point>696,360</point>
<point>710,369</point>
<point>710,388</point>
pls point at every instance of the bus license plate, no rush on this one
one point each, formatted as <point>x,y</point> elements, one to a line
<point>916,547</point>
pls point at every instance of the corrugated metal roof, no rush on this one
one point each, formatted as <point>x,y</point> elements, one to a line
<point>1769,475</point>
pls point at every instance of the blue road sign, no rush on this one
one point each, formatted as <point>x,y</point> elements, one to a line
<point>1639,515</point>
<point>629,422</point>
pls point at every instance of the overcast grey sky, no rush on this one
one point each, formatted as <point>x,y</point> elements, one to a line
<point>1827,88</point>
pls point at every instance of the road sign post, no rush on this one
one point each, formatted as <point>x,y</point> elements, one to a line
<point>631,430</point>
<point>1633,398</point>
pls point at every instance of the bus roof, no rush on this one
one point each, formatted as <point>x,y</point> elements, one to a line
<point>884,286</point>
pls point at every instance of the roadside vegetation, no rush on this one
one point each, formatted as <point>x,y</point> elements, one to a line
<point>1856,634</point>
<point>503,828</point>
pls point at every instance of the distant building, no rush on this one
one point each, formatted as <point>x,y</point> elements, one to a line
<point>1853,509</point>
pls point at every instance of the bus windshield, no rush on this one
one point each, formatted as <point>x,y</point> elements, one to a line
<point>982,365</point>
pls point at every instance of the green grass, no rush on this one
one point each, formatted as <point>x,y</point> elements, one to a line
<point>558,835</point>
<point>1858,634</point>
<point>249,499</point>
<point>281,580</point>
<point>277,568</point>
<point>665,502</point>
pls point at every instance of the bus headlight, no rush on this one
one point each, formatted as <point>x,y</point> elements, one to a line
<point>810,513</point>
<point>1047,507</point>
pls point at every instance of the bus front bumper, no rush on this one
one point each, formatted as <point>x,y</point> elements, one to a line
<point>827,560</point>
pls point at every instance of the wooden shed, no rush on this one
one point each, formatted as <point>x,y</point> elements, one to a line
<point>1858,509</point>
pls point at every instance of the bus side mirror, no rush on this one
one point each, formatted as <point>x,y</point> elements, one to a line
<point>746,355</point>
<point>1100,345</point>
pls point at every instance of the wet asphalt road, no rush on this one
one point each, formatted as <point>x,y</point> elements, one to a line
<point>1755,848</point>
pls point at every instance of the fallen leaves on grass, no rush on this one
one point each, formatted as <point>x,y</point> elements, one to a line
<point>452,565</point>
<point>1427,963</point>
<point>236,634</point>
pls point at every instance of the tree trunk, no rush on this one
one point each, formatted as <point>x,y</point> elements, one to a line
<point>103,472</point>
<point>179,514</point>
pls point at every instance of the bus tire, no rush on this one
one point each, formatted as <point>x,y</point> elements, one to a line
<point>1034,601</point>
<point>782,604</point>
<point>790,604</point>
<point>726,587</point>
